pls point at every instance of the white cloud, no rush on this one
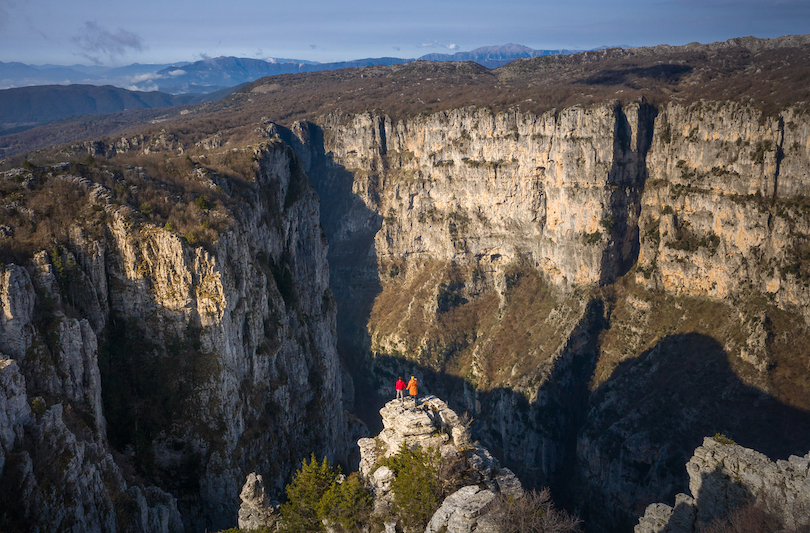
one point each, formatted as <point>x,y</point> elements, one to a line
<point>145,88</point>
<point>437,44</point>
<point>149,76</point>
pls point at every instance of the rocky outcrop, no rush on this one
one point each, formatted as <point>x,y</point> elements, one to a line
<point>197,364</point>
<point>461,510</point>
<point>433,425</point>
<point>257,509</point>
<point>723,477</point>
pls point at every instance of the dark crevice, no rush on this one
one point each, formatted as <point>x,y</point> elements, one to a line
<point>780,154</point>
<point>627,177</point>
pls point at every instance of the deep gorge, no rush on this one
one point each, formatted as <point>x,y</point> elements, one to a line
<point>600,287</point>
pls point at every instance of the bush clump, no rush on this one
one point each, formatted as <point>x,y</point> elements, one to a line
<point>318,493</point>
<point>531,513</point>
<point>422,482</point>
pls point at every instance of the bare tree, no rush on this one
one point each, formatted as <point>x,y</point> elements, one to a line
<point>531,513</point>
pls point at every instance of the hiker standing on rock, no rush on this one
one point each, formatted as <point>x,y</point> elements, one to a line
<point>400,390</point>
<point>413,389</point>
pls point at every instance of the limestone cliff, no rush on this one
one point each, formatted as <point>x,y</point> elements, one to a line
<point>196,364</point>
<point>547,272</point>
<point>724,477</point>
<point>440,226</point>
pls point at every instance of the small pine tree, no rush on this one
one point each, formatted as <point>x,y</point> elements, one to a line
<point>346,506</point>
<point>416,489</point>
<point>304,494</point>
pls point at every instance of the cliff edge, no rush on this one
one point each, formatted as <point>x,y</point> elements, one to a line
<point>723,478</point>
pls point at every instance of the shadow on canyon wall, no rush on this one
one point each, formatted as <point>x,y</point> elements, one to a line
<point>626,179</point>
<point>607,453</point>
<point>665,72</point>
<point>645,421</point>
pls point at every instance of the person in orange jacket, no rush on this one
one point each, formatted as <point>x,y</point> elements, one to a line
<point>413,389</point>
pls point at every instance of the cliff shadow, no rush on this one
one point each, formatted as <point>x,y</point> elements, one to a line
<point>664,73</point>
<point>350,226</point>
<point>532,432</point>
<point>646,420</point>
<point>626,180</point>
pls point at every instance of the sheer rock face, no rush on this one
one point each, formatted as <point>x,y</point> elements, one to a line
<point>724,477</point>
<point>720,211</point>
<point>466,185</point>
<point>234,346</point>
<point>706,201</point>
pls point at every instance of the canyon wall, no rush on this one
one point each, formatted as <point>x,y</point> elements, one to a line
<point>600,287</point>
<point>190,366</point>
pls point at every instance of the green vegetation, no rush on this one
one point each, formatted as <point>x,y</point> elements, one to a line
<point>38,406</point>
<point>592,238</point>
<point>318,492</point>
<point>202,203</point>
<point>758,154</point>
<point>416,486</point>
<point>688,240</point>
<point>722,439</point>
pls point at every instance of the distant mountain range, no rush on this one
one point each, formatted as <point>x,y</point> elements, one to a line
<point>214,74</point>
<point>32,95</point>
<point>496,56</point>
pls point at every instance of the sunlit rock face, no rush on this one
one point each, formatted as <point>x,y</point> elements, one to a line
<point>471,247</point>
<point>196,365</point>
<point>723,478</point>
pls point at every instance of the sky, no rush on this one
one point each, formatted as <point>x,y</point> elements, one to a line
<point>115,33</point>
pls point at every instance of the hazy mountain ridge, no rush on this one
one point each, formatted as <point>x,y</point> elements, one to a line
<point>765,72</point>
<point>210,74</point>
<point>53,102</point>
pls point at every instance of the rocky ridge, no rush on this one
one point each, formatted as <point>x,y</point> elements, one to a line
<point>724,477</point>
<point>434,425</point>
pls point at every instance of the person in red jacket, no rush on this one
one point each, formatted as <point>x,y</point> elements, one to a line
<point>400,390</point>
<point>413,389</point>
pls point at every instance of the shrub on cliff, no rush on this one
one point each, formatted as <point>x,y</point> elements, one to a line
<point>763,515</point>
<point>532,513</point>
<point>416,487</point>
<point>319,494</point>
<point>304,493</point>
<point>346,506</point>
